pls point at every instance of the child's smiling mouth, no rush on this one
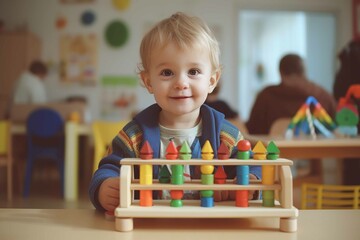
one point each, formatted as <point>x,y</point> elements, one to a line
<point>180,97</point>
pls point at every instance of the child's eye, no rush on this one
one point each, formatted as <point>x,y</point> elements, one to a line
<point>194,71</point>
<point>166,72</point>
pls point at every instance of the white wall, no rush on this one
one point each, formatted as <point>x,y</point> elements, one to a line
<point>40,16</point>
<point>320,67</point>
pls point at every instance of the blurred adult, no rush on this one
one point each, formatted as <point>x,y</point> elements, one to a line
<point>283,100</point>
<point>213,101</point>
<point>231,115</point>
<point>30,86</point>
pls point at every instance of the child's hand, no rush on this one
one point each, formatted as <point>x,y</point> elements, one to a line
<point>225,195</point>
<point>109,194</point>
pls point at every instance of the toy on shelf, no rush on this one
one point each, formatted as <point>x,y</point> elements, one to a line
<point>281,182</point>
<point>307,122</point>
<point>347,115</point>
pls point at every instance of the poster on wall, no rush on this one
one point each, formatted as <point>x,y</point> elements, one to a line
<point>78,58</point>
<point>118,97</point>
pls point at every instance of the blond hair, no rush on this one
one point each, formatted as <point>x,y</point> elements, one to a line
<point>183,30</point>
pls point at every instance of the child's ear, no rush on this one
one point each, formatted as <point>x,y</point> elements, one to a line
<point>214,81</point>
<point>146,81</point>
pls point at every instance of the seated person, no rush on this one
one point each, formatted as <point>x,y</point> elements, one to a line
<point>213,101</point>
<point>30,87</point>
<point>283,100</point>
<point>231,115</point>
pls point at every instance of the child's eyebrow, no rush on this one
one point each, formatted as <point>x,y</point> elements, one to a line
<point>167,64</point>
<point>160,65</point>
<point>196,64</point>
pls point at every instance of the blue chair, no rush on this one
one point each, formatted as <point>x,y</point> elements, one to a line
<point>45,137</point>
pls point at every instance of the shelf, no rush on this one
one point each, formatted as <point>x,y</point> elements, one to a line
<point>198,186</point>
<point>192,209</point>
<point>227,162</point>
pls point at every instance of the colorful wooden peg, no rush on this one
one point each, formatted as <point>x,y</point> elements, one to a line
<point>259,151</point>
<point>171,151</point>
<point>207,176</point>
<point>185,151</point>
<point>146,151</point>
<point>146,175</point>
<point>207,152</point>
<point>272,151</point>
<point>220,175</point>
<point>223,152</point>
<point>164,175</point>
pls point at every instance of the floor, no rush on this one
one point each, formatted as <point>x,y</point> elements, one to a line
<point>45,191</point>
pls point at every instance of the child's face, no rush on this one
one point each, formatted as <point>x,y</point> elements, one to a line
<point>180,79</point>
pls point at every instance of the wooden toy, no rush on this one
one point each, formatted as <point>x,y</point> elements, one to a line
<point>220,175</point>
<point>310,123</point>
<point>259,151</point>
<point>207,176</point>
<point>242,173</point>
<point>129,208</point>
<point>146,175</point>
<point>347,115</point>
<point>268,175</point>
<point>177,175</point>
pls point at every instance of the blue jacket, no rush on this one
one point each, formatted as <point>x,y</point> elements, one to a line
<point>145,127</point>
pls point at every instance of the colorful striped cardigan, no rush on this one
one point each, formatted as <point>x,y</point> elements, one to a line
<point>145,127</point>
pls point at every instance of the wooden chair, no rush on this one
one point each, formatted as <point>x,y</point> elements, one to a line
<point>6,155</point>
<point>278,128</point>
<point>319,196</point>
<point>103,134</point>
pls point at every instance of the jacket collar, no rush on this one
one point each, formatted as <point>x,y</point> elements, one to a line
<point>212,120</point>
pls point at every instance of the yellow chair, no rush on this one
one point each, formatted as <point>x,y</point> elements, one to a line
<point>103,133</point>
<point>319,196</point>
<point>6,154</point>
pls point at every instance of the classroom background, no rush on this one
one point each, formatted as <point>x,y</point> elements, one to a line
<point>92,50</point>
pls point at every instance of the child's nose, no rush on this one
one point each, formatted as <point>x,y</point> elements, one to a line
<point>182,82</point>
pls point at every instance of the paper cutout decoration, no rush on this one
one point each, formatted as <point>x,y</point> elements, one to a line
<point>78,58</point>
<point>61,23</point>
<point>121,4</point>
<point>87,18</point>
<point>116,34</point>
<point>118,97</point>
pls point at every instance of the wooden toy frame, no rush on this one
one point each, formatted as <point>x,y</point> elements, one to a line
<point>129,208</point>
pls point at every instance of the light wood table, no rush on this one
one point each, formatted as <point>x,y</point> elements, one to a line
<point>72,133</point>
<point>87,224</point>
<point>313,148</point>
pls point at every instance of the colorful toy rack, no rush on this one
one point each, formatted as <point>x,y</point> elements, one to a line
<point>130,208</point>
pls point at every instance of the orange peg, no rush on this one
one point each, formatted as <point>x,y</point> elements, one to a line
<point>171,151</point>
<point>146,151</point>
